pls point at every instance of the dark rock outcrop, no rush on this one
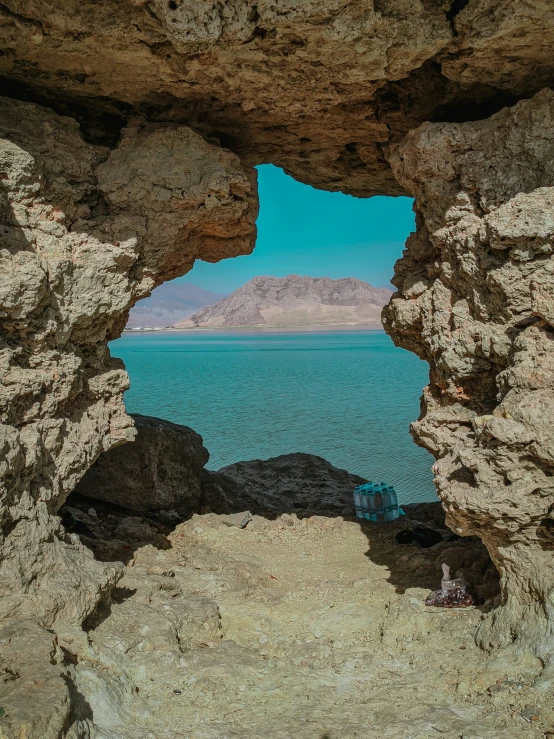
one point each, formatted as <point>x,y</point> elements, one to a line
<point>161,470</point>
<point>291,483</point>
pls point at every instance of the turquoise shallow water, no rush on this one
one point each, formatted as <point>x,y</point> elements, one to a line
<point>348,396</point>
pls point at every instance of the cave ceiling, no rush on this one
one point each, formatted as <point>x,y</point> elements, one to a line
<point>323,89</point>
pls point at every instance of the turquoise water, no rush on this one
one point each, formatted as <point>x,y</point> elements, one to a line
<point>348,396</point>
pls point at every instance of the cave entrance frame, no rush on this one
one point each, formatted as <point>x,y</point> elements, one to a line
<point>309,222</point>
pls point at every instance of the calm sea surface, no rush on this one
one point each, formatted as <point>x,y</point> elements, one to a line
<point>348,396</point>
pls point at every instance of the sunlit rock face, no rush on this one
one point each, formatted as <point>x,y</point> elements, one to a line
<point>476,300</point>
<point>139,180</point>
<point>86,232</point>
<point>320,87</point>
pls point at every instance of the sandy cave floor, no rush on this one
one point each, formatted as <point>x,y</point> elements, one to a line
<point>309,628</point>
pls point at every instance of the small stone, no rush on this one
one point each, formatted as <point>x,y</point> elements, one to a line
<point>240,520</point>
<point>158,570</point>
<point>246,520</point>
<point>531,713</point>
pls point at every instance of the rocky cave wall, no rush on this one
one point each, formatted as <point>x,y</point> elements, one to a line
<point>476,300</point>
<point>103,204</point>
<point>322,88</point>
<point>86,232</point>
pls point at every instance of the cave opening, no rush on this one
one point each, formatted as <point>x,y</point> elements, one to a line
<point>294,417</point>
<point>267,560</point>
<point>307,369</point>
<point>128,135</point>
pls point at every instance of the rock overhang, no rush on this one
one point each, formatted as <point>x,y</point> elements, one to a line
<point>322,89</point>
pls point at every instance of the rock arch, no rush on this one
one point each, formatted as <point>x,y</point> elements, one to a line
<point>129,130</point>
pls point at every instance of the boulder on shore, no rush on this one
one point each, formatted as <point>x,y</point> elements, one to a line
<point>291,483</point>
<point>161,469</point>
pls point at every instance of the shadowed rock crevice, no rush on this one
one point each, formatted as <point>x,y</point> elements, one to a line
<point>100,119</point>
<point>456,7</point>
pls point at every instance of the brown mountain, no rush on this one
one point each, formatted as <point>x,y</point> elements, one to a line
<point>294,301</point>
<point>169,303</point>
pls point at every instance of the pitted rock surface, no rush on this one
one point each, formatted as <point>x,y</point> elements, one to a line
<point>320,87</point>
<point>86,232</point>
<point>475,300</point>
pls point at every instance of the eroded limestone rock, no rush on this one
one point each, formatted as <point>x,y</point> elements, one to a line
<point>86,232</point>
<point>320,87</point>
<point>35,689</point>
<point>475,300</point>
<point>324,89</point>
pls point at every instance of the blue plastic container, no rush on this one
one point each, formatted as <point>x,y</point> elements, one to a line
<point>376,502</point>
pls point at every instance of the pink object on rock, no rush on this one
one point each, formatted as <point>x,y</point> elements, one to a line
<point>452,594</point>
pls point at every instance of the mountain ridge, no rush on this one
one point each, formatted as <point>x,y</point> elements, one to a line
<point>294,301</point>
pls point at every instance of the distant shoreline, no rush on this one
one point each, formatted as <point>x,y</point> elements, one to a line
<point>261,329</point>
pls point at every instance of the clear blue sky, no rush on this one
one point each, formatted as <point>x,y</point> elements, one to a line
<point>305,231</point>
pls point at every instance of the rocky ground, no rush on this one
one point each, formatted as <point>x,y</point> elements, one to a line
<point>271,611</point>
<point>236,626</point>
